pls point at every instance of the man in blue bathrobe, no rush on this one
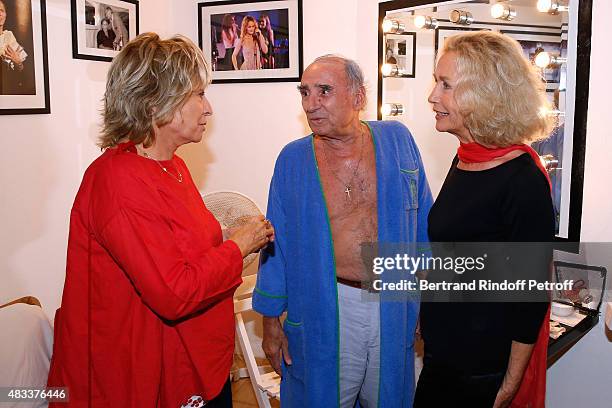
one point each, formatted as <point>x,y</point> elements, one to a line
<point>349,182</point>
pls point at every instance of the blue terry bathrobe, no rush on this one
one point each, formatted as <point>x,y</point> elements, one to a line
<point>297,273</point>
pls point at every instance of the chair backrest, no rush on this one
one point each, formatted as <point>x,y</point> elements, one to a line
<point>265,385</point>
<point>242,295</point>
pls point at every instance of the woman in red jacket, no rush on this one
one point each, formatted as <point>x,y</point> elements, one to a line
<point>147,315</point>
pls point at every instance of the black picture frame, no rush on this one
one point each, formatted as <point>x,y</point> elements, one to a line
<point>408,63</point>
<point>25,91</point>
<point>284,64</point>
<point>86,27</point>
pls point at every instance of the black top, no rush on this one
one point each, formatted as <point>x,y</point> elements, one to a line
<point>106,40</point>
<point>508,203</point>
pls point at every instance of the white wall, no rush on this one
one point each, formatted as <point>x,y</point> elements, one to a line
<point>41,166</point>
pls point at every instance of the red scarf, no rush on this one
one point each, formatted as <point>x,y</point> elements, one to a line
<point>532,391</point>
<point>477,153</point>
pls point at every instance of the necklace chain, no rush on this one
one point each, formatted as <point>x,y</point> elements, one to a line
<point>348,186</point>
<point>164,168</point>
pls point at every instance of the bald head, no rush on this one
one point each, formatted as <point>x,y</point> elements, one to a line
<point>352,71</point>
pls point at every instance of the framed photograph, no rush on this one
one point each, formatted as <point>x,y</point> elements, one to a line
<point>400,49</point>
<point>100,28</point>
<point>24,71</point>
<point>252,41</point>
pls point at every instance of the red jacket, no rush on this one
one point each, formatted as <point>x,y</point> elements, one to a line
<point>147,314</point>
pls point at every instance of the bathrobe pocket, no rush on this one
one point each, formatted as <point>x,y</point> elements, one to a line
<point>295,336</point>
<point>410,195</point>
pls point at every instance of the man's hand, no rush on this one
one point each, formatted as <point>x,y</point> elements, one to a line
<point>275,343</point>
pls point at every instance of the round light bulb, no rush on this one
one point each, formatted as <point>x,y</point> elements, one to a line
<point>455,16</point>
<point>461,17</point>
<point>503,12</point>
<point>497,10</point>
<point>544,6</point>
<point>419,21</point>
<point>543,59</point>
<point>392,109</point>
<point>387,25</point>
<point>385,110</point>
<point>393,26</point>
<point>389,70</point>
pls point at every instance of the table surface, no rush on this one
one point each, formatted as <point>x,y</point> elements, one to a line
<point>558,347</point>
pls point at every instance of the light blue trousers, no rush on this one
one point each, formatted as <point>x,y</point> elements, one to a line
<point>359,347</point>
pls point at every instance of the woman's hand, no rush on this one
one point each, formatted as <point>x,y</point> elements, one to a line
<point>14,56</point>
<point>504,397</point>
<point>517,363</point>
<point>253,236</point>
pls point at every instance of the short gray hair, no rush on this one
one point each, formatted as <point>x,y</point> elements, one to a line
<point>354,74</point>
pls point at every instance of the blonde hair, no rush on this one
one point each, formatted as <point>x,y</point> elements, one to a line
<point>148,81</point>
<point>499,93</point>
<point>245,23</point>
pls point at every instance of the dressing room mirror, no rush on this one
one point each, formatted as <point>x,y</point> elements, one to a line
<point>555,35</point>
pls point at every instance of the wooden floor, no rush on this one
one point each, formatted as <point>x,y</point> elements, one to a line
<point>243,395</point>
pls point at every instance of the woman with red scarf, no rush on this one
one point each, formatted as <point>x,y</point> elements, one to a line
<point>489,96</point>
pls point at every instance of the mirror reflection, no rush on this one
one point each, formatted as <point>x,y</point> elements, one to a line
<point>546,31</point>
